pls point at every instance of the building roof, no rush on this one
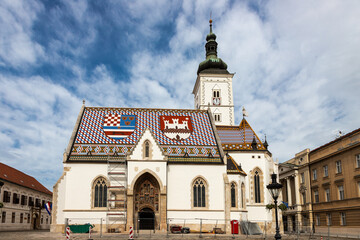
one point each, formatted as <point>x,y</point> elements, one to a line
<point>239,137</point>
<point>96,132</point>
<point>336,140</point>
<point>13,175</point>
<point>232,167</point>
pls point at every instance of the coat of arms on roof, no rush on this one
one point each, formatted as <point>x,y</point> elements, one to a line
<point>119,126</point>
<point>176,127</point>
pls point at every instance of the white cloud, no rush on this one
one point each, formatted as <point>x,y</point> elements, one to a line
<point>37,118</point>
<point>17,47</point>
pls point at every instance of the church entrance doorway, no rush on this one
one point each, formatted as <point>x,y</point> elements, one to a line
<point>147,202</point>
<point>146,219</point>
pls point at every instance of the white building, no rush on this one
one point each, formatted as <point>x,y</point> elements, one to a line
<point>151,168</point>
<point>23,199</point>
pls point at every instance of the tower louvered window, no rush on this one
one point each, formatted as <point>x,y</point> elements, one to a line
<point>199,193</point>
<point>100,193</point>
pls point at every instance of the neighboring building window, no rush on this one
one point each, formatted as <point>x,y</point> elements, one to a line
<point>3,217</point>
<point>21,217</point>
<point>242,195</point>
<point>43,203</point>
<point>358,160</point>
<point>199,193</point>
<point>341,192</point>
<point>338,167</point>
<point>13,217</point>
<point>326,173</point>
<point>37,202</point>
<point>28,218</point>
<point>47,220</point>
<point>16,198</point>
<point>304,197</point>
<point>302,177</point>
<point>31,201</point>
<point>217,117</point>
<point>257,187</point>
<point>100,192</point>
<point>316,196</point>
<point>314,174</point>
<point>328,219</point>
<point>23,200</point>
<point>42,220</point>
<point>233,195</point>
<point>6,197</point>
<point>342,219</point>
<point>327,194</point>
<point>317,219</point>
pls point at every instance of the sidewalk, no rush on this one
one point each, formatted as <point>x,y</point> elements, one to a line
<point>47,235</point>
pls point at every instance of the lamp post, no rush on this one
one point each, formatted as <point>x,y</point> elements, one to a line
<point>274,189</point>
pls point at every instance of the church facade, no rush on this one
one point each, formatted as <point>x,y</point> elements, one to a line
<point>151,168</point>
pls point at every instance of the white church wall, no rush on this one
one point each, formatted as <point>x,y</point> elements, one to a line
<point>79,184</point>
<point>60,204</point>
<point>157,168</point>
<point>249,161</point>
<point>180,182</point>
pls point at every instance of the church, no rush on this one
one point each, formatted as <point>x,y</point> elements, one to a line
<point>152,168</point>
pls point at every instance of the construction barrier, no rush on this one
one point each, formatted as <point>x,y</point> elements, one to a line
<point>67,233</point>
<point>131,233</point>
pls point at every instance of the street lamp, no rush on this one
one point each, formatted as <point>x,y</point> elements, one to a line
<point>274,189</point>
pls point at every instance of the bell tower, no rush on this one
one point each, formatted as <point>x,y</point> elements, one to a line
<point>213,86</point>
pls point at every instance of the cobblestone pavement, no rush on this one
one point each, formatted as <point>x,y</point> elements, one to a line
<point>45,234</point>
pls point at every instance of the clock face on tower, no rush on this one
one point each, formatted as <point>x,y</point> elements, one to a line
<point>216,101</point>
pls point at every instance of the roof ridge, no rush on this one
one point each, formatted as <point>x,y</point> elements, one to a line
<point>150,109</point>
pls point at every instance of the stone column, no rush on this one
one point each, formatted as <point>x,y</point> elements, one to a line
<point>298,217</point>
<point>163,207</point>
<point>289,191</point>
<point>227,203</point>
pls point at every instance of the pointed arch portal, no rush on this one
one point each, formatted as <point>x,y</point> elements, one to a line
<point>147,201</point>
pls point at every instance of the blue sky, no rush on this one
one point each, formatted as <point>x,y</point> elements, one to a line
<point>296,64</point>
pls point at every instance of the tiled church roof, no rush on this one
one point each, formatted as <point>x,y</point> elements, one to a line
<point>91,138</point>
<point>239,137</point>
<point>13,175</point>
<point>232,167</point>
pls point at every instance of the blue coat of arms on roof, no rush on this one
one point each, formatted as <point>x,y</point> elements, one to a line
<point>119,126</point>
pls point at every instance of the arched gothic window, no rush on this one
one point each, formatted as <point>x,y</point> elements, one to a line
<point>199,193</point>
<point>233,194</point>
<point>257,187</point>
<point>147,149</point>
<point>100,192</point>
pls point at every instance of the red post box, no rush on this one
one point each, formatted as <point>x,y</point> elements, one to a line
<point>234,226</point>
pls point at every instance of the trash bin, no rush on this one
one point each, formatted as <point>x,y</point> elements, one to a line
<point>234,226</point>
